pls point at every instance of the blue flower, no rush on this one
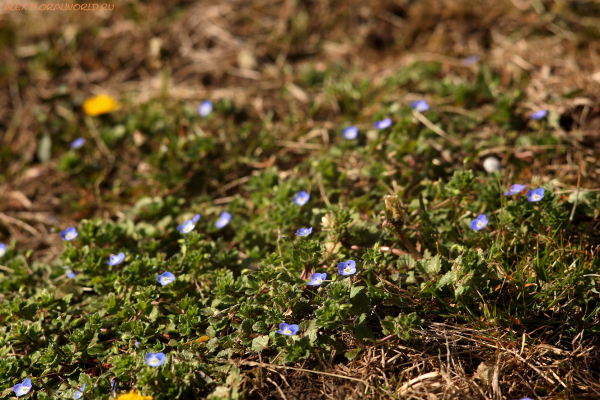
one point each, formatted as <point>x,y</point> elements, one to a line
<point>165,278</point>
<point>196,218</point>
<point>223,220</point>
<point>384,123</point>
<point>187,226</point>
<point>535,195</point>
<point>479,223</point>
<point>113,386</point>
<point>136,343</point>
<point>347,268</point>
<point>350,133</point>
<point>2,249</point>
<point>515,189</point>
<point>301,198</point>
<point>21,389</point>
<point>420,105</point>
<point>71,274</point>
<point>287,330</point>
<point>77,143</point>
<point>539,114</point>
<point>470,60</point>
<point>69,234</point>
<point>79,392</point>
<point>304,231</point>
<point>205,108</point>
<point>155,359</point>
<point>316,279</point>
<point>114,260</point>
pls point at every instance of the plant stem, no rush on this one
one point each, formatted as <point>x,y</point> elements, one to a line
<point>413,251</point>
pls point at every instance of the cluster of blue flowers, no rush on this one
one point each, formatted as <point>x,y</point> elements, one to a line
<point>344,268</point>
<point>532,195</point>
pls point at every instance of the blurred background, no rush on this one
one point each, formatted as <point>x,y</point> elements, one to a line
<point>293,61</point>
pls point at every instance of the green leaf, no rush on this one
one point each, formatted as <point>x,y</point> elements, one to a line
<point>260,343</point>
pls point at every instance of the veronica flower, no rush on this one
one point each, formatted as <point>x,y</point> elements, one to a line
<point>70,273</point>
<point>113,386</point>
<point>2,249</point>
<point>155,359</point>
<point>196,218</point>
<point>304,231</point>
<point>165,278</point>
<point>316,279</point>
<point>347,268</point>
<point>419,105</point>
<point>205,108</point>
<point>136,343</point>
<point>515,189</point>
<point>350,133</point>
<point>77,143</point>
<point>114,260</point>
<point>539,114</point>
<point>287,330</point>
<point>21,389</point>
<point>69,234</point>
<point>384,123</point>
<point>535,195</point>
<point>301,198</point>
<point>79,392</point>
<point>479,223</point>
<point>187,226</point>
<point>223,220</point>
<point>470,60</point>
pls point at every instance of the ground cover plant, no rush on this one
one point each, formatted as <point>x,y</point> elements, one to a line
<point>314,200</point>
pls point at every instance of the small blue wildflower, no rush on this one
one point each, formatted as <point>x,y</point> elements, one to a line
<point>205,108</point>
<point>71,274</point>
<point>301,198</point>
<point>539,114</point>
<point>165,278</point>
<point>69,234</point>
<point>470,60</point>
<point>419,105</point>
<point>479,223</point>
<point>2,249</point>
<point>350,133</point>
<point>155,359</point>
<point>77,143</point>
<point>535,195</point>
<point>113,387</point>
<point>79,392</point>
<point>515,189</point>
<point>114,260</point>
<point>283,236</point>
<point>347,268</point>
<point>287,330</point>
<point>316,279</point>
<point>525,398</point>
<point>186,227</point>
<point>136,343</point>
<point>384,123</point>
<point>223,220</point>
<point>304,231</point>
<point>196,218</point>
<point>21,389</point>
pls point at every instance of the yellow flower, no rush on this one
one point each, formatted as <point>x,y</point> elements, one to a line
<point>133,395</point>
<point>100,105</point>
<point>201,339</point>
